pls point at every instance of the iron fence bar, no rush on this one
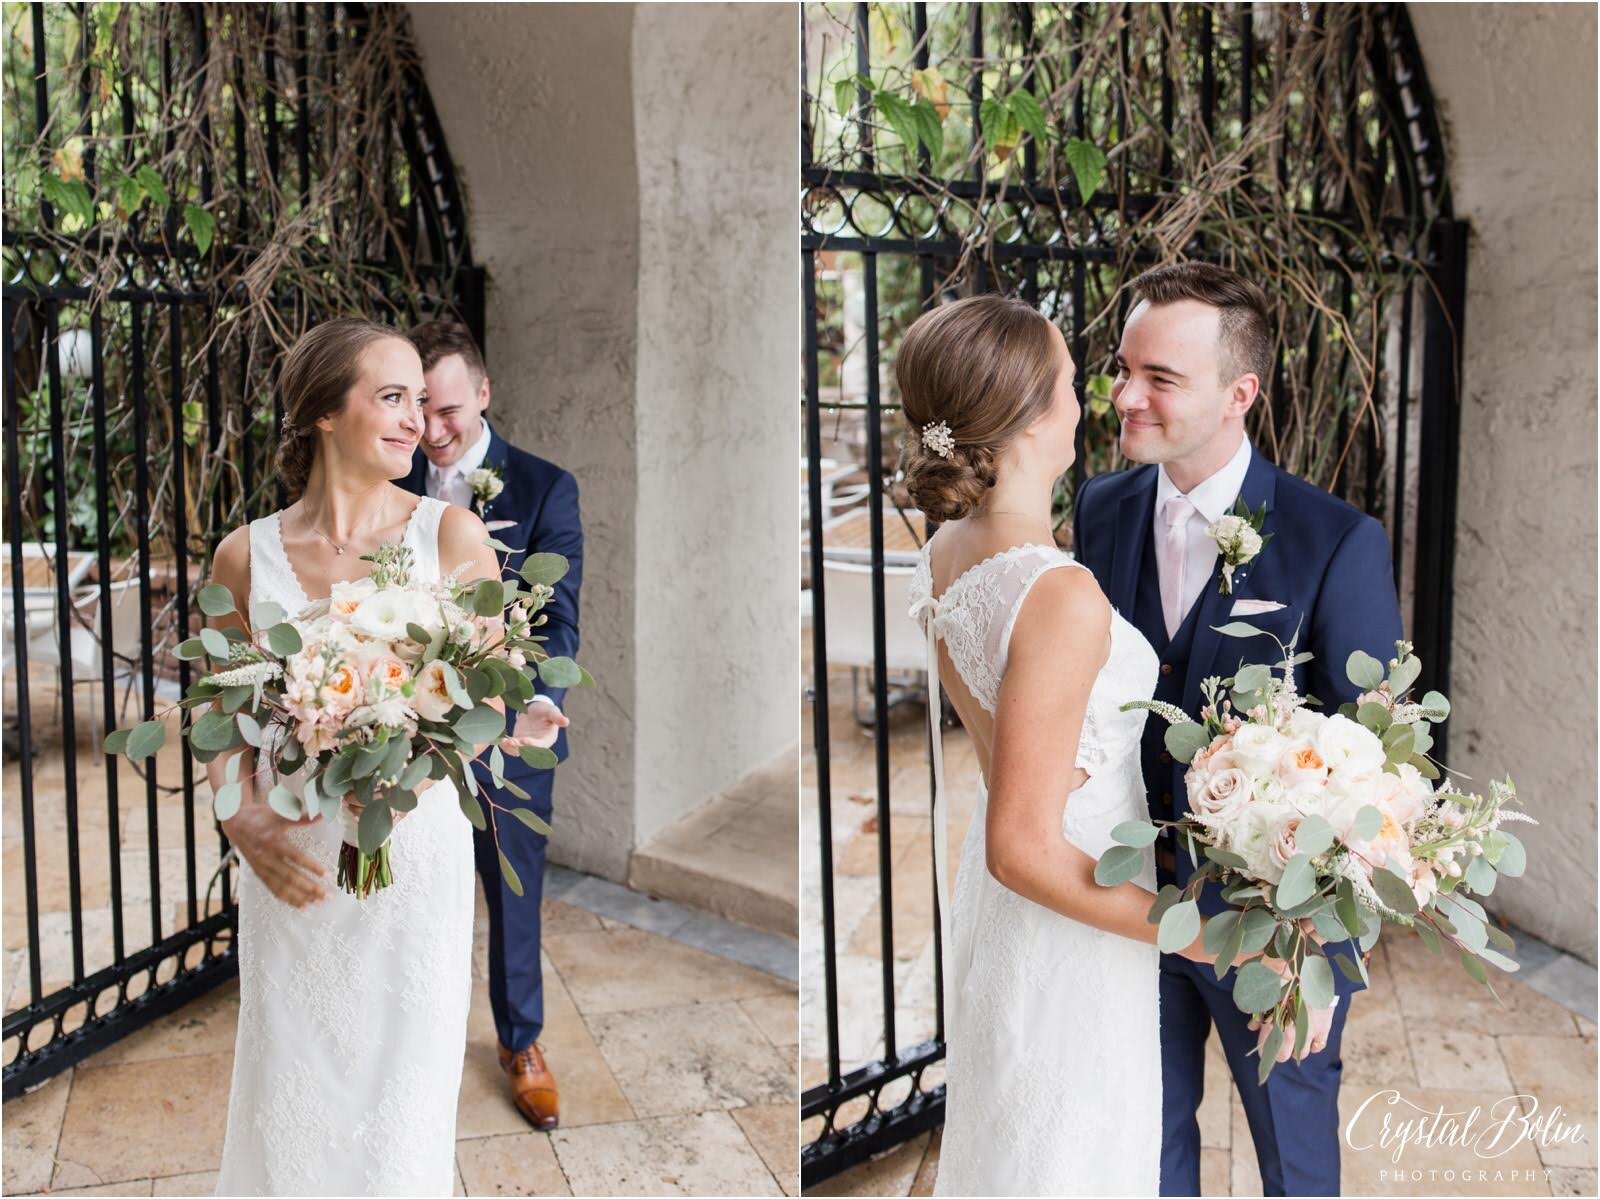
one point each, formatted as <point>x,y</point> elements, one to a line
<point>41,99</point>
<point>63,631</point>
<point>1247,67</point>
<point>819,665</point>
<point>975,95</point>
<point>1403,390</point>
<point>839,1149</point>
<point>302,91</point>
<point>108,666</point>
<point>863,96</point>
<point>180,547</point>
<point>19,642</point>
<point>141,500</point>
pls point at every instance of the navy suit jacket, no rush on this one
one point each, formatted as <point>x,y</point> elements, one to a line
<point>1328,563</point>
<point>542,500</point>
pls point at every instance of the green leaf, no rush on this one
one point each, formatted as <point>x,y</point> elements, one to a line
<point>1257,988</point>
<point>1088,165</point>
<point>202,226</point>
<point>225,803</point>
<point>1394,891</point>
<point>215,643</point>
<point>1269,1054</point>
<point>1328,925</point>
<point>1298,884</point>
<point>480,724</point>
<point>548,569</point>
<point>1180,925</point>
<point>453,685</point>
<point>1363,670</point>
<point>559,672</point>
<point>1220,927</point>
<point>1436,706</point>
<point>129,193</point>
<point>898,113</point>
<point>150,181</point>
<point>1256,928</point>
<point>191,649</point>
<point>489,597</point>
<point>1238,628</point>
<point>248,729</point>
<point>992,116</point>
<point>1403,675</point>
<point>1315,835</point>
<point>509,874</point>
<point>214,731</point>
<point>72,198</point>
<point>284,802</point>
<point>844,96</point>
<point>374,827</point>
<point>1165,898</point>
<point>1225,857</point>
<point>1252,678</point>
<point>1302,1025</point>
<point>1474,967</point>
<point>1397,744</point>
<point>418,634</point>
<point>1228,952</point>
<point>532,821</point>
<point>1316,981</point>
<point>284,639</point>
<point>1353,970</point>
<point>116,741</point>
<point>1481,876</point>
<point>1119,864</point>
<point>538,757</point>
<point>1513,859</point>
<point>1137,833</point>
<point>268,614</point>
<point>1025,108</point>
<point>1375,717</point>
<point>1367,823</point>
<point>215,600</point>
<point>416,770</point>
<point>471,808</point>
<point>1183,741</point>
<point>929,128</point>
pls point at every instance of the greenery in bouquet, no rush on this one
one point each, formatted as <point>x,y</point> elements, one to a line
<point>1321,829</point>
<point>373,694</point>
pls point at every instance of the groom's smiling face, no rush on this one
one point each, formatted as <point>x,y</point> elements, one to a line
<point>1170,391</point>
<point>454,411</point>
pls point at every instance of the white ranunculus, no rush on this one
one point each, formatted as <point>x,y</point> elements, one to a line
<point>1349,748</point>
<point>1254,837</point>
<point>385,614</point>
<point>1305,724</point>
<point>1257,748</point>
<point>1269,788</point>
<point>347,595</point>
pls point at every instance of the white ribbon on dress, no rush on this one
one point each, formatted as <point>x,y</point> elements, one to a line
<point>928,607</point>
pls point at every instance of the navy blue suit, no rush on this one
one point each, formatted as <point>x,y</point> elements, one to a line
<point>543,501</point>
<point>1328,564</point>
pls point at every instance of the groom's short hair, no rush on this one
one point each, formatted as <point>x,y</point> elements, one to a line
<point>436,340</point>
<point>1246,318</point>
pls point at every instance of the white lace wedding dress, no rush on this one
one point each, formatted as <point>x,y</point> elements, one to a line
<point>1053,1059</point>
<point>353,1012</point>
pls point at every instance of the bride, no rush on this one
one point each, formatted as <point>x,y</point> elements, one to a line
<point>1053,1070</point>
<point>352,1012</point>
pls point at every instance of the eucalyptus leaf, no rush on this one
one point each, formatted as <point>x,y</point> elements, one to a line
<point>284,802</point>
<point>472,808</point>
<point>416,770</point>
<point>215,600</point>
<point>1364,670</point>
<point>1513,860</point>
<point>374,827</point>
<point>1219,928</point>
<point>267,614</point>
<point>1474,967</point>
<point>1269,1054</point>
<point>214,731</point>
<point>1256,927</point>
<point>1313,836</point>
<point>1403,675</point>
<point>215,643</point>
<point>1436,706</point>
<point>1180,925</point>
<point>480,724</point>
<point>1316,981</point>
<point>1238,628</point>
<point>248,729</point>
<point>1165,898</point>
<point>538,757</point>
<point>189,650</point>
<point>1137,833</point>
<point>548,569</point>
<point>1183,741</point>
<point>508,873</point>
<point>116,741</point>
<point>1394,891</point>
<point>488,597</point>
<point>532,821</point>
<point>1299,882</point>
<point>1366,824</point>
<point>1481,876</point>
<point>1225,857</point>
<point>225,804</point>
<point>1119,864</point>
<point>1257,988</point>
<point>1375,716</point>
<point>284,639</point>
<point>559,672</point>
<point>1252,678</point>
<point>1353,970</point>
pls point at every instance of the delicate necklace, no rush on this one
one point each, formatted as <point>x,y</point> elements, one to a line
<point>337,548</point>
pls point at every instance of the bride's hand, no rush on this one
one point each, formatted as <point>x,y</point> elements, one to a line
<point>261,837</point>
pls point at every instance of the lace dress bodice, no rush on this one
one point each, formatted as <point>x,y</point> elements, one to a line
<point>1053,1037</point>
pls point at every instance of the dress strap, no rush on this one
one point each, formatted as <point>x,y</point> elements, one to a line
<point>925,610</point>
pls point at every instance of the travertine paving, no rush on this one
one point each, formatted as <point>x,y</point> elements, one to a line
<point>1423,1029</point>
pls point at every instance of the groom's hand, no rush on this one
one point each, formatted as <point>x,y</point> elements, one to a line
<point>539,725</point>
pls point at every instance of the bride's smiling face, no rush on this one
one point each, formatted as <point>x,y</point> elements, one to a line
<point>377,430</point>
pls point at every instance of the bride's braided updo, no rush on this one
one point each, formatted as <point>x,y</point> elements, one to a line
<point>973,375</point>
<point>318,374</point>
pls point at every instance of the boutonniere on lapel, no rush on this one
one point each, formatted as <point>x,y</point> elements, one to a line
<point>1239,539</point>
<point>486,483</point>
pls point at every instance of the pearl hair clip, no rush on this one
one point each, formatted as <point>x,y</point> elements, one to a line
<point>937,438</point>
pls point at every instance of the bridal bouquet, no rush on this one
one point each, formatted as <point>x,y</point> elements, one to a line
<point>1322,828</point>
<point>375,692</point>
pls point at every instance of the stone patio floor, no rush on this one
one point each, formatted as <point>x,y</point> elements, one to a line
<point>673,1034</point>
<point>1424,1028</point>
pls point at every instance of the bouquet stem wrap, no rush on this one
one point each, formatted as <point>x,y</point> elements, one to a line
<point>360,874</point>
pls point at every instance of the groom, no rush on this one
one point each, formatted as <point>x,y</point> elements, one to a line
<point>532,506</point>
<point>1195,355</point>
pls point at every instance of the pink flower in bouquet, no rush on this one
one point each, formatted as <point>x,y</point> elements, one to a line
<point>347,596</point>
<point>1301,765</point>
<point>1424,882</point>
<point>1221,797</point>
<point>341,690</point>
<point>1398,800</point>
<point>1282,848</point>
<point>431,699</point>
<point>1202,759</point>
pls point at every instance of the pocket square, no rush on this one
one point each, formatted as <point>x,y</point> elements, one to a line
<point>1254,607</point>
<point>500,524</point>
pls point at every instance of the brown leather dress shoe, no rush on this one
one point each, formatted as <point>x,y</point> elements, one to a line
<point>533,1087</point>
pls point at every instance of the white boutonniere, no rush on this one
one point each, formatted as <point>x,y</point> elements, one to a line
<point>1239,539</point>
<point>486,483</point>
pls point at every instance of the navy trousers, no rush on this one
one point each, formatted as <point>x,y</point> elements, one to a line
<point>516,983</point>
<point>1294,1118</point>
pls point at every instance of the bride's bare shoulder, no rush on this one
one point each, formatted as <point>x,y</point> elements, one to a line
<point>230,565</point>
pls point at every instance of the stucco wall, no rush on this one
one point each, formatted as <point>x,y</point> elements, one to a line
<point>1521,146</point>
<point>534,101</point>
<point>629,174</point>
<point>714,116</point>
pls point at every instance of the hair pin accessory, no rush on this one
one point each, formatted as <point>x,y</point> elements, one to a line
<point>937,438</point>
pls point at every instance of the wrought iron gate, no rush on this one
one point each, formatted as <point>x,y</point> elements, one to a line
<point>880,245</point>
<point>189,187</point>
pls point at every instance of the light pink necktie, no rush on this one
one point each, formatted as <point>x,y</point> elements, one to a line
<point>1175,512</point>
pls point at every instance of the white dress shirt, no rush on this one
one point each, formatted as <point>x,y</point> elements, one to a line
<point>1211,501</point>
<point>450,483</point>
